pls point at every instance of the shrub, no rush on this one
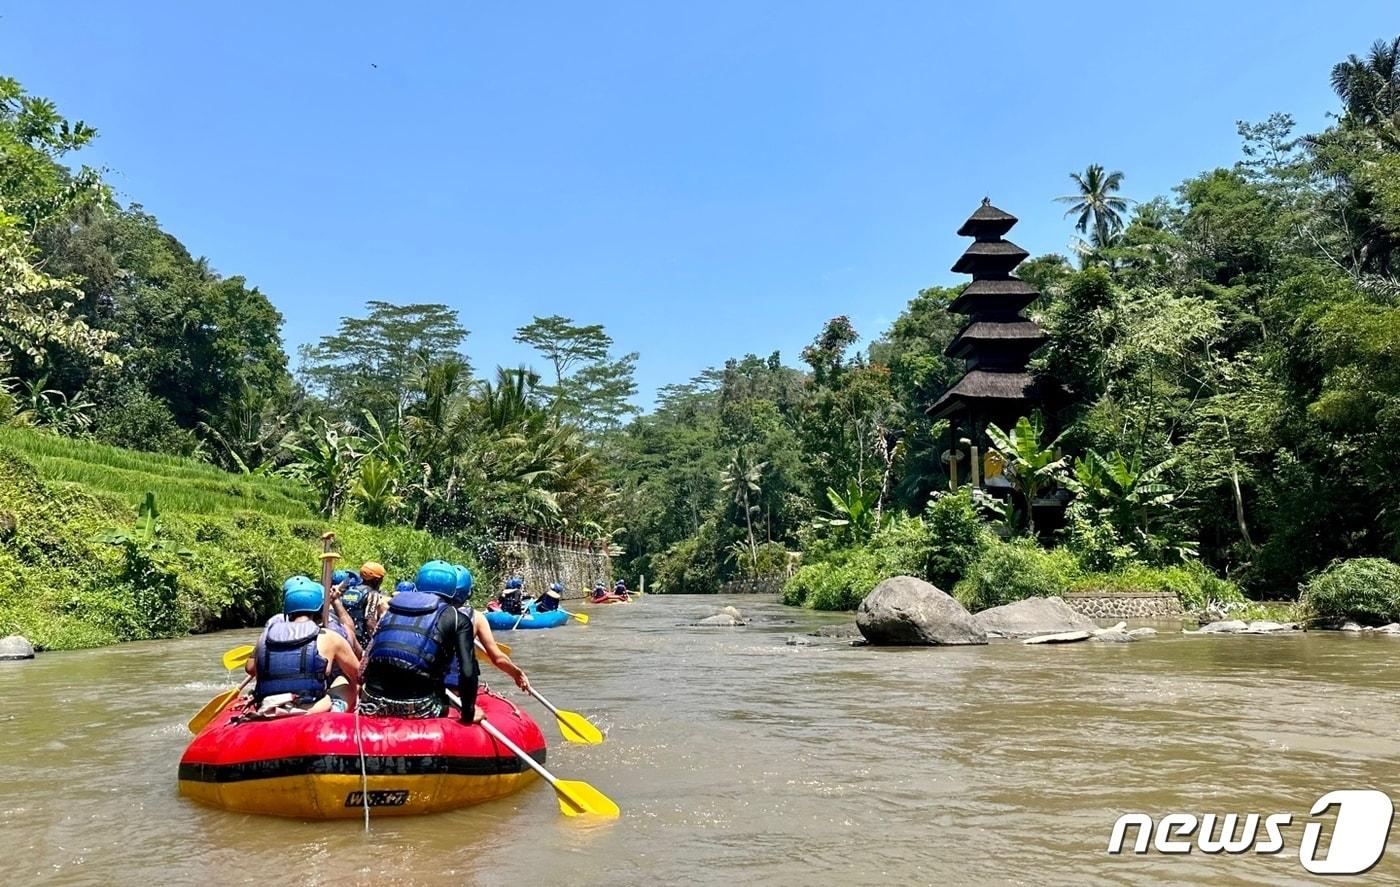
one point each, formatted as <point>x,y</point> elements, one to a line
<point>1193,584</point>
<point>1363,589</point>
<point>1012,571</point>
<point>839,583</point>
<point>137,419</point>
<point>957,537</point>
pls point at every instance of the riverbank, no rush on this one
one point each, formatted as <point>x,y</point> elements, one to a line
<point>81,567</point>
<point>737,757</point>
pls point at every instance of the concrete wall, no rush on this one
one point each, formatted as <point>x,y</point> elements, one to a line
<point>544,558</point>
<point>1137,605</point>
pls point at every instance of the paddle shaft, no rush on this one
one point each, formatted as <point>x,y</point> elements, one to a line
<point>515,749</point>
<point>326,541</point>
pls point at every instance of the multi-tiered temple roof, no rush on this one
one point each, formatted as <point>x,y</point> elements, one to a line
<point>997,341</point>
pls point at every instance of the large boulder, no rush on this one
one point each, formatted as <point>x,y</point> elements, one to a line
<point>905,611</point>
<point>1032,616</point>
<point>16,647</point>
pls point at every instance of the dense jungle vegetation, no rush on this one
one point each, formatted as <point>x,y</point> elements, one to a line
<point>1233,352</point>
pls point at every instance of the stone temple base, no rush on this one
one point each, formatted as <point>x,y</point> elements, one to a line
<point>1130,605</point>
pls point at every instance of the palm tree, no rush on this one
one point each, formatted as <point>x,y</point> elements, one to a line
<point>1370,87</point>
<point>1096,201</point>
<point>741,478</point>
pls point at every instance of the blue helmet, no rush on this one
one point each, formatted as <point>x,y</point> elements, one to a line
<point>437,577</point>
<point>515,582</point>
<point>302,595</point>
<point>464,584</point>
<point>340,576</point>
<point>404,585</point>
<point>557,587</point>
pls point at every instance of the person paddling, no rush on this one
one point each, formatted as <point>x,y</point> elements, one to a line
<point>423,632</point>
<point>295,655</point>
<point>600,591</point>
<point>550,600</point>
<point>513,598</point>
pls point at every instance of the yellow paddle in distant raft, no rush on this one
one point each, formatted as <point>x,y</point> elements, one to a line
<point>573,726</point>
<point>582,619</point>
<point>576,798</point>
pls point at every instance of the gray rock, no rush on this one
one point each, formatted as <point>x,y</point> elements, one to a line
<point>905,611</point>
<point>1121,628</point>
<point>720,619</point>
<point>796,640</point>
<point>1392,628</point>
<point>1112,636</point>
<point>1036,615</point>
<point>1351,626</point>
<point>1225,626</point>
<point>1264,626</point>
<point>16,647</point>
<point>1138,633</point>
<point>1063,637</point>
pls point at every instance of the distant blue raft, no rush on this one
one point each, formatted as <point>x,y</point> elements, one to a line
<point>502,621</point>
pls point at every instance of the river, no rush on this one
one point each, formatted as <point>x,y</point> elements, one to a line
<point>738,758</point>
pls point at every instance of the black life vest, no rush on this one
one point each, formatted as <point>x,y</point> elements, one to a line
<point>289,661</point>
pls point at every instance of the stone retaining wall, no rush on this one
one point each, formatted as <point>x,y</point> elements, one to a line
<point>761,585</point>
<point>1136,605</point>
<point>545,558</point>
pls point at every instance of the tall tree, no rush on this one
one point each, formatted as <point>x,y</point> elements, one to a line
<point>1370,87</point>
<point>1096,203</point>
<point>371,363</point>
<point>590,387</point>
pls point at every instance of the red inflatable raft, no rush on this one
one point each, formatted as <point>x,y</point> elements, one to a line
<point>308,766</point>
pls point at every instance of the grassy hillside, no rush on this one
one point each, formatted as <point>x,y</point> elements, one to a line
<point>76,570</point>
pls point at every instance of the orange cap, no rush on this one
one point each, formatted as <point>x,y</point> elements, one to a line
<point>372,570</point>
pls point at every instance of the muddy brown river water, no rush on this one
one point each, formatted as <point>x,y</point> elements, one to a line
<point>738,758</point>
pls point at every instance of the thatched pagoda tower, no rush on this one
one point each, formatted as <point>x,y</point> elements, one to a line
<point>996,342</point>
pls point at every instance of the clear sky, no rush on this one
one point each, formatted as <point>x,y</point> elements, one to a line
<point>707,179</point>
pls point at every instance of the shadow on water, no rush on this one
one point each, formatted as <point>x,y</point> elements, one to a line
<point>738,757</point>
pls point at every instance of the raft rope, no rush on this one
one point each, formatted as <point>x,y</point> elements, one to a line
<point>369,708</point>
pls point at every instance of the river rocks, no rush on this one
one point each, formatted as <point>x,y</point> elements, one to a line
<point>1036,615</point>
<point>16,647</point>
<point>1264,626</point>
<point>905,611</point>
<point>1392,628</point>
<point>1113,635</point>
<point>797,640</point>
<point>720,619</point>
<point>1224,626</point>
<point>1138,634</point>
<point>1351,626</point>
<point>1062,637</point>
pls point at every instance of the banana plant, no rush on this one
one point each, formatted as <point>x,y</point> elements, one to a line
<point>853,513</point>
<point>1029,466</point>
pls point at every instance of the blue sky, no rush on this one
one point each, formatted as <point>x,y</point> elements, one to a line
<point>707,179</point>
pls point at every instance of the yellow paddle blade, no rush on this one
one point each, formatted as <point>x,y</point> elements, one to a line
<point>577,798</point>
<point>211,709</point>
<point>237,656</point>
<point>576,728</point>
<point>481,651</point>
<point>582,619</point>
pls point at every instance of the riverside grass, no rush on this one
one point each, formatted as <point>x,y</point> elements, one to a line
<point>226,543</point>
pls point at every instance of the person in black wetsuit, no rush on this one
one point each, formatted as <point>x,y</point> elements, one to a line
<point>422,636</point>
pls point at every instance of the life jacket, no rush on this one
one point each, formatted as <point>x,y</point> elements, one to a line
<point>513,601</point>
<point>407,635</point>
<point>288,661</point>
<point>454,674</point>
<point>354,600</point>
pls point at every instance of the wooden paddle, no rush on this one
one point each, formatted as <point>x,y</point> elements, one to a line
<point>212,708</point>
<point>237,656</point>
<point>573,726</point>
<point>575,796</point>
<point>328,559</point>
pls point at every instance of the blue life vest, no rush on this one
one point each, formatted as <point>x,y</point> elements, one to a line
<point>407,635</point>
<point>355,599</point>
<point>289,662</point>
<point>454,674</point>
